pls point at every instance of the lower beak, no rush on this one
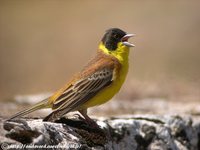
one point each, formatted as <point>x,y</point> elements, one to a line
<point>125,40</point>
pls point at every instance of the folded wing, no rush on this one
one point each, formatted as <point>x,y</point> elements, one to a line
<point>83,90</point>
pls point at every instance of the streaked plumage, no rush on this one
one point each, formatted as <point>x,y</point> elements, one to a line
<point>98,82</point>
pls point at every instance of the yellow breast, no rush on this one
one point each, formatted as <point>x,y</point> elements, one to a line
<point>119,77</point>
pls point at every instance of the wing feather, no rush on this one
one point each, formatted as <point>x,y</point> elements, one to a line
<point>82,90</point>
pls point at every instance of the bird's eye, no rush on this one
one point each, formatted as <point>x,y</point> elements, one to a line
<point>115,36</point>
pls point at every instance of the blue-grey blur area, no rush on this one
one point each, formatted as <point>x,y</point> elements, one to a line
<point>43,43</point>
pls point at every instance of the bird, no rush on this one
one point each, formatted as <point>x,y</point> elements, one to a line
<point>95,84</point>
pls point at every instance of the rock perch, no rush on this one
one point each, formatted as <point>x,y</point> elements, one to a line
<point>135,132</point>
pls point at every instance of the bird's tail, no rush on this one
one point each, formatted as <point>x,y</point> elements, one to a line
<point>40,105</point>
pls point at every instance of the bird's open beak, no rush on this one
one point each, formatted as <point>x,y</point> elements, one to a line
<point>125,40</point>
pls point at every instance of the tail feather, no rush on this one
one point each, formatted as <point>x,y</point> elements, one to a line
<point>42,104</point>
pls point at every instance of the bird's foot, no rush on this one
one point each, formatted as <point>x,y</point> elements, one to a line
<point>79,117</point>
<point>91,123</point>
<point>88,120</point>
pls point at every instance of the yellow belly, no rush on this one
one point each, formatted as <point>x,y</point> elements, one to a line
<point>108,92</point>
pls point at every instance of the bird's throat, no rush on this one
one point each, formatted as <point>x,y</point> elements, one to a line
<point>121,53</point>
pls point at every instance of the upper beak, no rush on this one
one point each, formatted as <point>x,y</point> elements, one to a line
<point>125,38</point>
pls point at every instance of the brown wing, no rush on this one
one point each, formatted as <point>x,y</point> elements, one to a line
<point>98,74</point>
<point>83,89</point>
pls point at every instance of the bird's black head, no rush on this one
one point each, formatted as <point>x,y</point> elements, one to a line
<point>112,37</point>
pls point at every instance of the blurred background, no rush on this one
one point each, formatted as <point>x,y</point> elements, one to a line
<point>43,43</point>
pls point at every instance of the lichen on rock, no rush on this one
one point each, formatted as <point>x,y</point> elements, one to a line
<point>135,132</point>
